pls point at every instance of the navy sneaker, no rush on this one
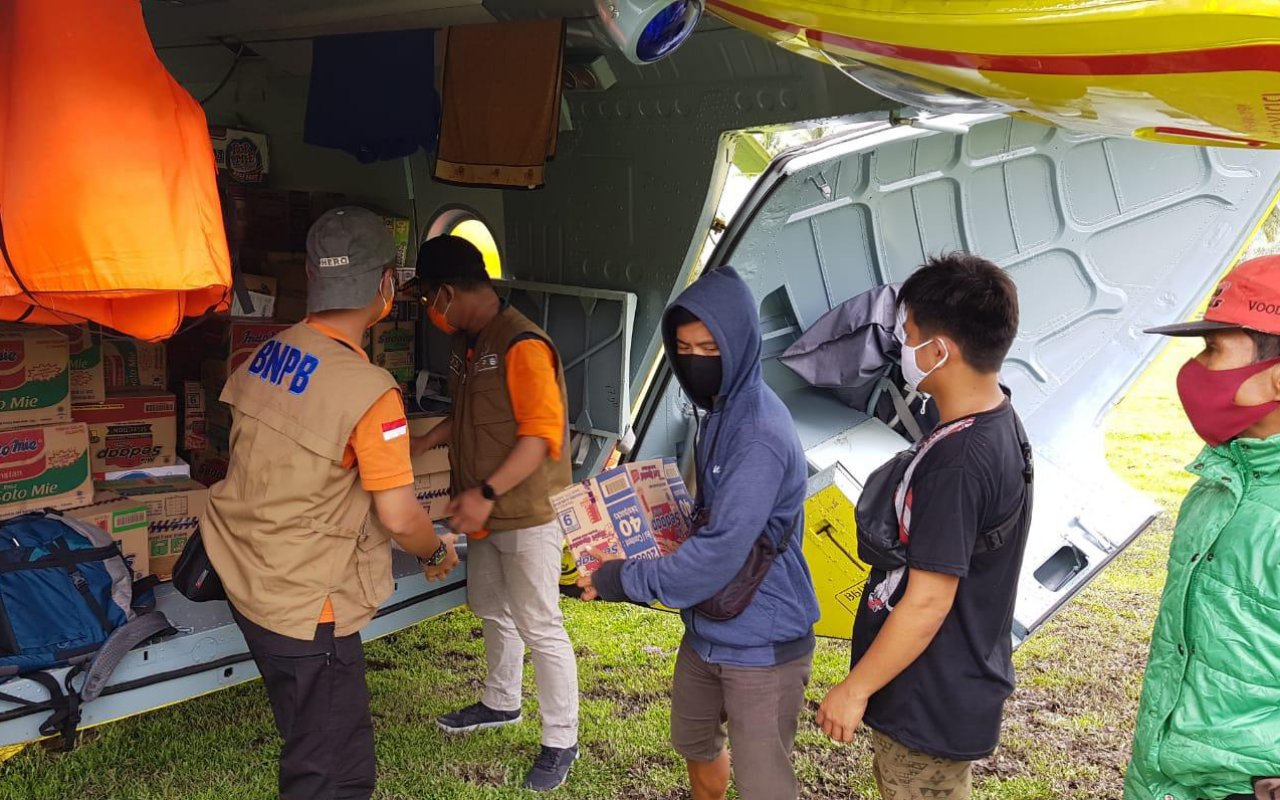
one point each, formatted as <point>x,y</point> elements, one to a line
<point>551,769</point>
<point>477,717</point>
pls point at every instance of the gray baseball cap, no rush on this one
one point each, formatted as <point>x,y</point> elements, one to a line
<point>348,249</point>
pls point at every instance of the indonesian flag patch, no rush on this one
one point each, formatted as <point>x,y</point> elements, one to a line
<point>395,429</point>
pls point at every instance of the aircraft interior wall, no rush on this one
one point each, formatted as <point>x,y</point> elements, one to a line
<point>631,192</point>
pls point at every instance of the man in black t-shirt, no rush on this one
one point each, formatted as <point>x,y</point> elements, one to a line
<point>932,648</point>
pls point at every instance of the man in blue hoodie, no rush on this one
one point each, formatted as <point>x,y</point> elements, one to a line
<point>749,672</point>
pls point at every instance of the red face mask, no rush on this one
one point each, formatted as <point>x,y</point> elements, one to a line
<point>1209,398</point>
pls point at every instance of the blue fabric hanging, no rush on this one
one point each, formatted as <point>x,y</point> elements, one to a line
<point>373,94</point>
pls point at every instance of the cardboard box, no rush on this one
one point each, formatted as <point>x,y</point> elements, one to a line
<point>260,291</point>
<point>35,387</point>
<point>173,514</point>
<point>44,468</point>
<point>432,491</point>
<point>604,512</point>
<point>392,346</point>
<point>434,460</point>
<point>398,227</point>
<point>207,468</point>
<point>131,364</point>
<point>87,377</point>
<point>640,517</point>
<point>240,155</point>
<point>125,520</point>
<point>178,469</point>
<point>131,430</point>
<point>238,339</point>
<point>194,412</point>
<point>666,502</point>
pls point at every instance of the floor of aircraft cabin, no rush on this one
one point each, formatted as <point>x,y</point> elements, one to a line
<point>1067,728</point>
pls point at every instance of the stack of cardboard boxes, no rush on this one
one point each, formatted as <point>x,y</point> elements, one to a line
<point>44,454</point>
<point>430,470</point>
<point>75,406</point>
<point>144,492</point>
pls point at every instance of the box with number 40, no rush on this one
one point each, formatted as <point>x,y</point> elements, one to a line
<point>638,510</point>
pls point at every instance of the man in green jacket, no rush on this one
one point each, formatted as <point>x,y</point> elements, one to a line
<point>1209,720</point>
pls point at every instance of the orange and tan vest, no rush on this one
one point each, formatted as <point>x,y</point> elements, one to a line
<point>290,526</point>
<point>485,429</point>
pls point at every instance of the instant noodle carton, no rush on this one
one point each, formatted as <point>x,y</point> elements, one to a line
<point>35,384</point>
<point>391,346</point>
<point>131,430</point>
<point>605,513</point>
<point>88,377</point>
<point>238,339</point>
<point>44,468</point>
<point>666,503</point>
<point>132,364</point>
<point>398,227</point>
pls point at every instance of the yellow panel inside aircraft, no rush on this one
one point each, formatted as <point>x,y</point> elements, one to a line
<point>831,548</point>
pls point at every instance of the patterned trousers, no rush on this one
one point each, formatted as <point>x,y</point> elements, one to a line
<point>904,774</point>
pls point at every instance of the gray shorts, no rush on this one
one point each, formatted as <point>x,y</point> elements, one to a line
<point>756,708</point>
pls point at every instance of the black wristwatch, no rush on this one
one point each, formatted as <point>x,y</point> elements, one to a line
<point>488,492</point>
<point>437,558</point>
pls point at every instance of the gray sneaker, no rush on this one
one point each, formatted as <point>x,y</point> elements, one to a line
<point>477,717</point>
<point>551,769</point>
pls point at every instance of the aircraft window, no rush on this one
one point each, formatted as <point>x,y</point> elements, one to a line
<point>467,225</point>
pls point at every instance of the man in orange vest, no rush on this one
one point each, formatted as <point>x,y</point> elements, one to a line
<point>508,452</point>
<point>319,484</point>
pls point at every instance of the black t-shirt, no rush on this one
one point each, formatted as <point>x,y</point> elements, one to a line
<point>949,702</point>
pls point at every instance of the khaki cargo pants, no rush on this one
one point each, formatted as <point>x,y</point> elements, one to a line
<point>904,774</point>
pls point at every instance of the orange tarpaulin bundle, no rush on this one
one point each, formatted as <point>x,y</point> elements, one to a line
<point>108,202</point>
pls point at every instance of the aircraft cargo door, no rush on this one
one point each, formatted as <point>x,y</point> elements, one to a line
<point>1103,237</point>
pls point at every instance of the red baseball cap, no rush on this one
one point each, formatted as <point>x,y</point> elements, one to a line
<point>1248,297</point>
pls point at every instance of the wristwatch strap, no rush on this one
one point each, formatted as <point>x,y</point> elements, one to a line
<point>437,558</point>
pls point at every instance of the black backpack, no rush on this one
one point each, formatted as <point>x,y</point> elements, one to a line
<point>880,542</point>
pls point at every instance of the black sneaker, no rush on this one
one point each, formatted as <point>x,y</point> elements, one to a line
<point>551,769</point>
<point>476,717</point>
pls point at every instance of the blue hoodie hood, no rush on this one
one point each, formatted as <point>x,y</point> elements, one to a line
<point>724,303</point>
<point>751,479</point>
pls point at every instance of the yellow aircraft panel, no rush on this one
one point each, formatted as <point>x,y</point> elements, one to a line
<point>1202,72</point>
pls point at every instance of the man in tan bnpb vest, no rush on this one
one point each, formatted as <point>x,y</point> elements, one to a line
<point>320,457</point>
<point>509,452</point>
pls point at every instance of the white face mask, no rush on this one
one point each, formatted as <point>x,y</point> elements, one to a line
<point>911,372</point>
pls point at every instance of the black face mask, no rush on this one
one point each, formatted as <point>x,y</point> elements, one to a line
<point>702,376</point>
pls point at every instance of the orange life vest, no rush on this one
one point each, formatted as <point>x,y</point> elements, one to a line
<point>108,199</point>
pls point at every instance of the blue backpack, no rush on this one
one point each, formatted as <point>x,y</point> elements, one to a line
<point>67,599</point>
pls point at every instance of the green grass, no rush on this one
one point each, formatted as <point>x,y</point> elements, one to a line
<point>1067,728</point>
